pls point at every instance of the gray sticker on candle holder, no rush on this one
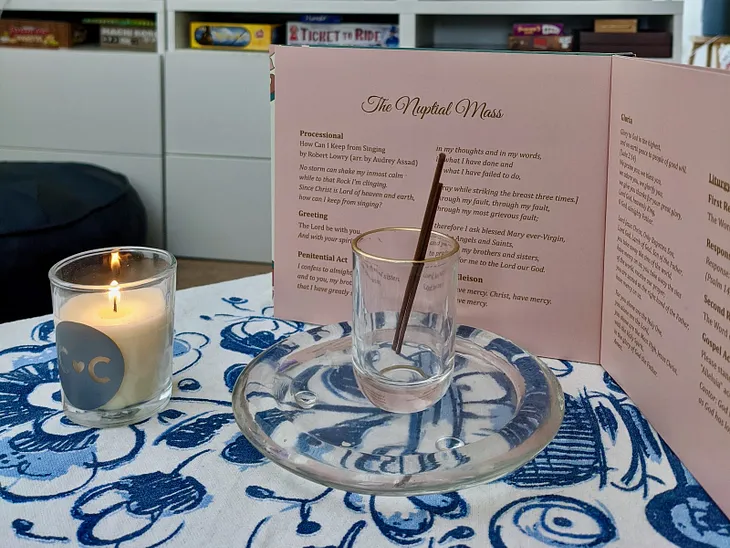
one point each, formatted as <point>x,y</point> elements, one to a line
<point>90,365</point>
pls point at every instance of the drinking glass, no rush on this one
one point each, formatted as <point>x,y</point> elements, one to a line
<point>419,375</point>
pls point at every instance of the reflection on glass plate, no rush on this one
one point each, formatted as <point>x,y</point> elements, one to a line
<point>299,404</point>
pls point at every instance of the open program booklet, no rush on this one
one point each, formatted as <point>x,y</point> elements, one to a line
<point>590,195</point>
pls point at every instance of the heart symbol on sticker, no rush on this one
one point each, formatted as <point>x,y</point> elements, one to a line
<point>78,366</point>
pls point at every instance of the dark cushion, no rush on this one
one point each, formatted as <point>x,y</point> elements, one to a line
<point>49,211</point>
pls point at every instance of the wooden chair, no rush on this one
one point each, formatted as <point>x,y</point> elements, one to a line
<point>714,46</point>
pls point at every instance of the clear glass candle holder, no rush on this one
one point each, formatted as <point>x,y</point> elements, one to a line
<point>113,310</point>
<point>419,375</point>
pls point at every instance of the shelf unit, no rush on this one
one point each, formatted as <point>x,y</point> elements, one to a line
<point>88,104</point>
<point>191,128</point>
<point>217,135</point>
<point>217,103</point>
<point>417,16</point>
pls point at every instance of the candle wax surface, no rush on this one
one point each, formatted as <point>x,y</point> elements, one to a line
<point>141,328</point>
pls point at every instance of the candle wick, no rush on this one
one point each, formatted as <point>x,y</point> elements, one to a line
<point>115,304</point>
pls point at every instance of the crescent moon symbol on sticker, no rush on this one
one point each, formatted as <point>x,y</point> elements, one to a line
<point>92,372</point>
<point>62,363</point>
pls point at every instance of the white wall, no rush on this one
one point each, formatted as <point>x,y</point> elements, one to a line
<point>692,25</point>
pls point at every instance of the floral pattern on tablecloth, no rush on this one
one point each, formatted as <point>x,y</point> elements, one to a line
<point>187,477</point>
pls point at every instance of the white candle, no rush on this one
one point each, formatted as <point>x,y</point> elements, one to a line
<point>141,326</point>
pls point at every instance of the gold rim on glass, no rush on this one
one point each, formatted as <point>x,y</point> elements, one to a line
<point>362,253</point>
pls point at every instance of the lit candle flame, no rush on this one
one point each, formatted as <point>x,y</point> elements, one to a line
<point>115,294</point>
<point>115,262</point>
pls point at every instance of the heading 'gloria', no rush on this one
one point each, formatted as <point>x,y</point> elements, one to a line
<point>466,108</point>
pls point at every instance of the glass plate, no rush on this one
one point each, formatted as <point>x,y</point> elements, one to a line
<point>299,404</point>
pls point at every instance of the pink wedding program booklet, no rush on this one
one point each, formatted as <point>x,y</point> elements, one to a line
<point>526,142</point>
<point>590,195</point>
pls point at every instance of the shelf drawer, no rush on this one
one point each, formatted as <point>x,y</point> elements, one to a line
<point>85,101</point>
<point>217,103</point>
<point>219,208</point>
<point>143,172</point>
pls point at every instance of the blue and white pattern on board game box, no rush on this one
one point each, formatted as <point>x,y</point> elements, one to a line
<point>187,477</point>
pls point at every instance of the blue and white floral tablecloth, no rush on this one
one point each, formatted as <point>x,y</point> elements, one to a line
<point>187,477</point>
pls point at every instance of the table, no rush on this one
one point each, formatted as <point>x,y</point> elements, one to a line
<point>188,478</point>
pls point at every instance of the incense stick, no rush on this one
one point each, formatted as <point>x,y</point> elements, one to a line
<point>421,248</point>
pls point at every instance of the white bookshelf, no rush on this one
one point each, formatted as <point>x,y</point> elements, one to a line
<point>191,127</point>
<point>230,175</point>
<point>154,8</point>
<point>411,12</point>
<point>88,104</point>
